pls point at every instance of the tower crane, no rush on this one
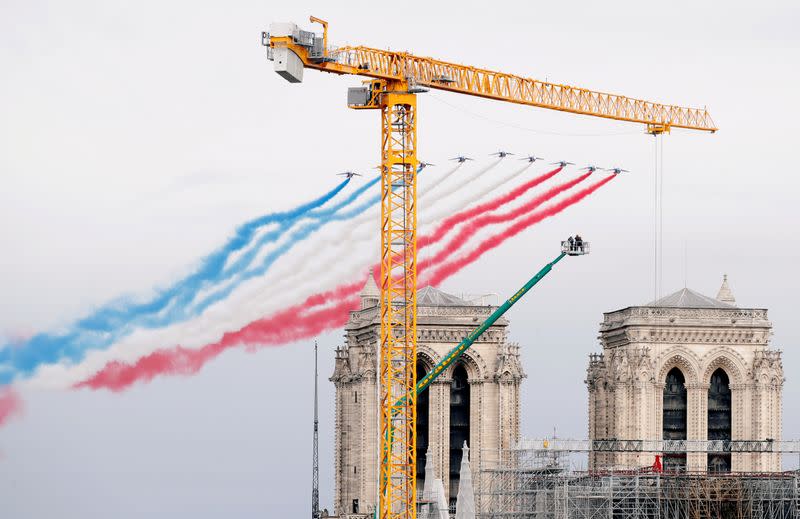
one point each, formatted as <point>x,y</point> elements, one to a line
<point>395,79</point>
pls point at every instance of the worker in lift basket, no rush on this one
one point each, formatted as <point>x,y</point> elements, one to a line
<point>571,242</point>
<point>579,242</point>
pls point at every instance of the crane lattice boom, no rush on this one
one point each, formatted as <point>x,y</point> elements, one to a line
<point>433,73</point>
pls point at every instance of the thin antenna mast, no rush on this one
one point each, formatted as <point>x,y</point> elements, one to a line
<point>685,264</point>
<point>315,514</point>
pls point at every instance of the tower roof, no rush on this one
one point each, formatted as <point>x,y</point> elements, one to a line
<point>432,296</point>
<point>688,298</point>
<point>371,289</point>
<point>725,295</point>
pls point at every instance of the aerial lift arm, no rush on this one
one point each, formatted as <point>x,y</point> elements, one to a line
<point>568,248</point>
<point>469,340</point>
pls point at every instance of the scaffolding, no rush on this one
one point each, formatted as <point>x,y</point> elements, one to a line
<point>538,484</point>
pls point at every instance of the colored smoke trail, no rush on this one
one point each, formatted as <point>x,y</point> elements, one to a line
<point>225,307</point>
<point>491,205</point>
<point>241,309</point>
<point>296,237</point>
<point>338,245</point>
<point>475,225</point>
<point>446,270</point>
<point>426,218</point>
<point>324,213</point>
<point>245,259</point>
<point>458,185</point>
<point>424,190</point>
<point>282,327</point>
<point>115,320</point>
<point>306,266</point>
<point>297,322</point>
<point>10,404</point>
<point>341,243</point>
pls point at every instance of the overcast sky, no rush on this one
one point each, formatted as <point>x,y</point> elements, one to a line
<point>135,136</point>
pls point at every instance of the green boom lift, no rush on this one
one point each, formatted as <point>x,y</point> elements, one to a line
<point>570,247</point>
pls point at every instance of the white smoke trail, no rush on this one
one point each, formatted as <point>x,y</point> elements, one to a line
<point>461,182</point>
<point>246,305</point>
<point>353,235</point>
<point>427,189</point>
<point>430,217</point>
<point>304,272</point>
<point>310,263</point>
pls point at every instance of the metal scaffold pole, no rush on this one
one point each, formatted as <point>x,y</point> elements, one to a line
<point>535,481</point>
<point>315,513</point>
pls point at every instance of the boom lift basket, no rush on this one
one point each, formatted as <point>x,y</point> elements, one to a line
<point>574,247</point>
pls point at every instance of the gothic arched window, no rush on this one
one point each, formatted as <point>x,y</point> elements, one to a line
<point>719,418</point>
<point>423,412</point>
<point>459,424</point>
<point>674,416</point>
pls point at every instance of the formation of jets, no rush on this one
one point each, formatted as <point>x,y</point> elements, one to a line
<point>503,154</point>
<point>616,171</point>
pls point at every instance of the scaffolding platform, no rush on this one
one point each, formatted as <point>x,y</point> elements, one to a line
<point>538,484</point>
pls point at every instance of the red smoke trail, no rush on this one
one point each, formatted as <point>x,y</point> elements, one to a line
<point>10,404</point>
<point>451,221</point>
<point>479,223</point>
<point>292,324</point>
<point>280,328</point>
<point>448,269</point>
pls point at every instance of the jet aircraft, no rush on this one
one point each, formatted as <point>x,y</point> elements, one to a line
<point>502,154</point>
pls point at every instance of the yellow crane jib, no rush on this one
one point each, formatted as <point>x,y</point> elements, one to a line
<point>295,49</point>
<point>393,81</point>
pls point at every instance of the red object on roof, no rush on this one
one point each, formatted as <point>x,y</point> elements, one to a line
<point>657,467</point>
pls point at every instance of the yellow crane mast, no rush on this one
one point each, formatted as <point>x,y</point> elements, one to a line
<point>396,78</point>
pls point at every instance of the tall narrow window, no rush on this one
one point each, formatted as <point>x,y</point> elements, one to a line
<point>719,419</point>
<point>674,422</point>
<point>459,425</point>
<point>422,427</point>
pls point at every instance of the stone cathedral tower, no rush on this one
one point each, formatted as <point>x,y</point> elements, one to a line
<point>687,366</point>
<point>477,400</point>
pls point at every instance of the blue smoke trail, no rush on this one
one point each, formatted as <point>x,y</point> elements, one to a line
<point>211,267</point>
<point>269,237</point>
<point>296,237</point>
<point>107,323</point>
<point>73,346</point>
